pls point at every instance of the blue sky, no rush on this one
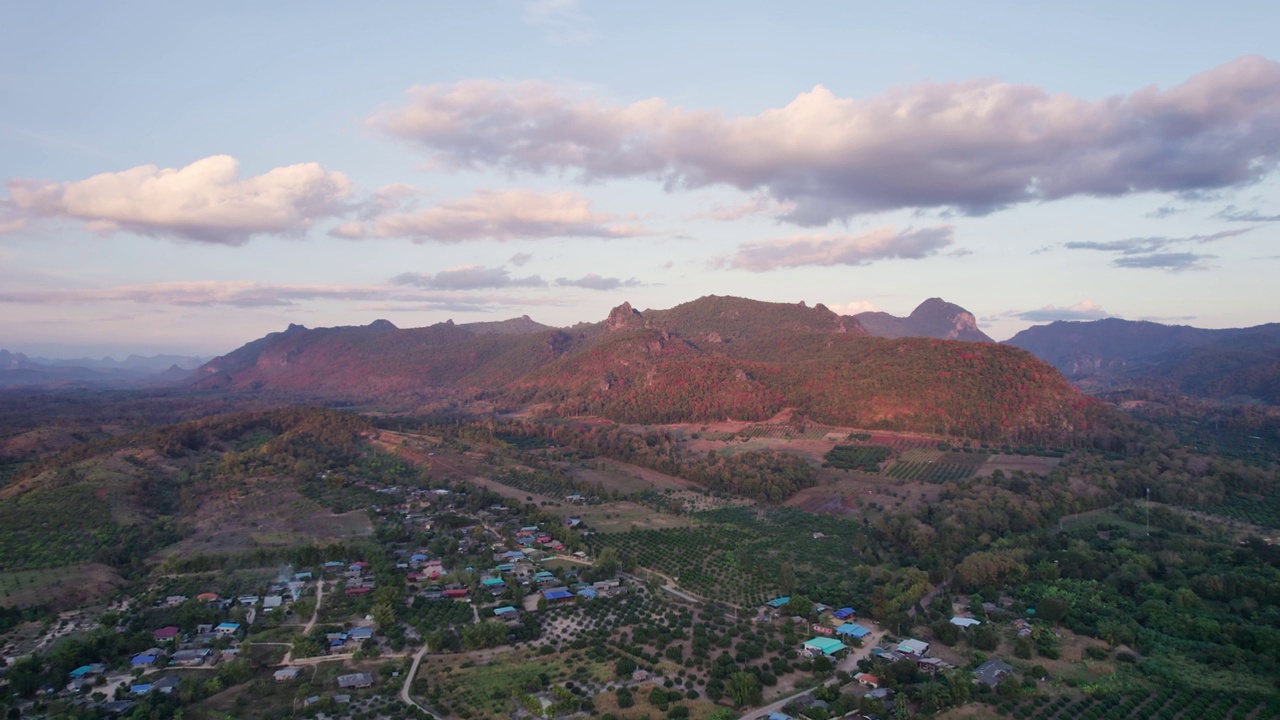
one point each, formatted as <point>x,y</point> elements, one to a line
<point>183,179</point>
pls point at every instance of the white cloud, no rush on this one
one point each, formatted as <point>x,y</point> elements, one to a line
<point>498,215</point>
<point>592,281</point>
<point>973,146</point>
<point>1083,310</point>
<point>853,307</point>
<point>469,277</point>
<point>206,201</point>
<point>828,250</point>
<point>251,294</point>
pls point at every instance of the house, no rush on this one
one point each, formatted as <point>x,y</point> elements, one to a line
<point>824,646</point>
<point>911,646</point>
<point>140,689</point>
<point>506,611</point>
<point>142,661</point>
<point>355,680</point>
<point>334,565</point>
<point>867,680</point>
<point>362,590</point>
<point>247,600</point>
<point>207,597</point>
<point>361,633</point>
<point>845,613</point>
<point>778,715</point>
<point>543,577</point>
<point>191,657</point>
<point>853,630</point>
<point>494,583</point>
<point>301,576</point>
<point>286,674</point>
<point>556,595</point>
<point>175,600</point>
<point>933,666</point>
<point>271,602</point>
<point>117,707</point>
<point>991,672</point>
<point>166,633</point>
<point>165,685</point>
<point>456,593</point>
<point>609,584</point>
<point>779,602</point>
<point>587,593</point>
<point>964,622</point>
<point>227,628</point>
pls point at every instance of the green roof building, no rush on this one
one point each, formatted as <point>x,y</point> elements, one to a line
<point>825,645</point>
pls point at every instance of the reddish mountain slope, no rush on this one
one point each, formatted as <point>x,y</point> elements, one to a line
<point>710,359</point>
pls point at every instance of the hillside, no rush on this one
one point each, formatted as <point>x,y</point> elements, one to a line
<point>1234,363</point>
<point>933,318</point>
<point>710,359</point>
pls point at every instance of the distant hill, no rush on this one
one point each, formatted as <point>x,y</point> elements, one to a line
<point>17,369</point>
<point>934,318</point>
<point>710,359</point>
<point>1234,363</point>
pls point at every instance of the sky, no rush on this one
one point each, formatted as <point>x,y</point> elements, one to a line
<point>183,179</point>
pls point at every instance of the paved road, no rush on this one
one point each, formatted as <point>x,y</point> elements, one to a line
<point>413,673</point>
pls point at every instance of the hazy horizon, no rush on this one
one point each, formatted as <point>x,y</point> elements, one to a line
<point>184,180</point>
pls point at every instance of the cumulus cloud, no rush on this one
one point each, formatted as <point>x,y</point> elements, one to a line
<point>497,215</point>
<point>206,201</point>
<point>1083,310</point>
<point>469,277</point>
<point>519,259</point>
<point>828,250</point>
<point>970,146</point>
<point>251,294</point>
<point>592,281</point>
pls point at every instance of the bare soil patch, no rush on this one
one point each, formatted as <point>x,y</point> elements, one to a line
<point>272,514</point>
<point>60,588</point>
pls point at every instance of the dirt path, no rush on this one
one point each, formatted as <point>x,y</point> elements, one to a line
<point>306,629</point>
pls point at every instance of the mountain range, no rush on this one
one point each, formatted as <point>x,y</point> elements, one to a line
<point>17,369</point>
<point>710,359</point>
<point>1240,364</point>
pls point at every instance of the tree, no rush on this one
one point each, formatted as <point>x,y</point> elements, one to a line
<point>787,578</point>
<point>625,666</point>
<point>744,688</point>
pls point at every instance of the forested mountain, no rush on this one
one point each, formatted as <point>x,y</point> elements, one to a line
<point>1234,363</point>
<point>933,318</point>
<point>710,359</point>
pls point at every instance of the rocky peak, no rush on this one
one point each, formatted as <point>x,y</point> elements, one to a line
<point>623,316</point>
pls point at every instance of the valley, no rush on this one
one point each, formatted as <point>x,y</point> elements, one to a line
<point>639,524</point>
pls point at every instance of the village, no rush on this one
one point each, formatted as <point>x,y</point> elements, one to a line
<point>461,577</point>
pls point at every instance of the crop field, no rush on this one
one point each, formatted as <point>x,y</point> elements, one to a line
<point>864,457</point>
<point>734,554</point>
<point>902,443</point>
<point>625,479</point>
<point>1263,510</point>
<point>1164,704</point>
<point>786,431</point>
<point>934,467</point>
<point>547,484</point>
